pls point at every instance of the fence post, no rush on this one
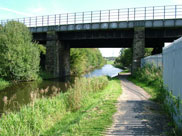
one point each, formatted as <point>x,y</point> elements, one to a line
<point>36,21</point>
<point>134,13</point>
<point>82,17</point>
<point>30,22</point>
<point>55,20</point>
<point>59,19</point>
<point>91,16</point>
<point>100,16</point>
<point>118,13</point>
<point>128,14</point>
<point>24,21</point>
<point>48,20</point>
<point>145,13</point>
<point>75,18</point>
<point>42,20</point>
<point>175,11</point>
<point>164,12</point>
<point>153,13</point>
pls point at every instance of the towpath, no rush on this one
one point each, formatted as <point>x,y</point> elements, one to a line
<point>136,115</point>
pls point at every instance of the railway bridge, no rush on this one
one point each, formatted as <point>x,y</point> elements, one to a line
<point>136,28</point>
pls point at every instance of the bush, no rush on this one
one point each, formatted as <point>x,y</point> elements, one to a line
<point>20,57</point>
<point>125,57</point>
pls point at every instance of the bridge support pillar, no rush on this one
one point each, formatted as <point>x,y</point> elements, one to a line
<point>57,57</point>
<point>138,47</point>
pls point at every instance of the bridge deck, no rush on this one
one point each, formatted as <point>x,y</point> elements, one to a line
<point>110,25</point>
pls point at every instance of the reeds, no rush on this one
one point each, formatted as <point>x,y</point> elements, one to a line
<point>82,88</point>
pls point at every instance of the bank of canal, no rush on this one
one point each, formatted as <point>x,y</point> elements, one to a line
<point>19,94</point>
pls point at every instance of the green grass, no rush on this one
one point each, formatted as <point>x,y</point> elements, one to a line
<point>110,62</point>
<point>152,90</point>
<point>125,71</point>
<point>89,112</point>
<point>3,84</point>
<point>150,78</point>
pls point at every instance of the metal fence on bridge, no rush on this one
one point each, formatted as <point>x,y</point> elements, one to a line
<point>115,15</point>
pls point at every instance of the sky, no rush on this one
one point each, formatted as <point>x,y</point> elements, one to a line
<point>10,9</point>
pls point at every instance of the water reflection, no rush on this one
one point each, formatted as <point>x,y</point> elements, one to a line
<point>13,97</point>
<point>107,70</point>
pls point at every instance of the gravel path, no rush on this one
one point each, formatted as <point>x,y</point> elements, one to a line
<point>136,115</point>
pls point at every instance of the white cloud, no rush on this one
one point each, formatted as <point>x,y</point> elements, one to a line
<point>15,11</point>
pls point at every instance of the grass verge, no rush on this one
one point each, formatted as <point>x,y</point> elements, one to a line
<point>3,84</point>
<point>86,109</point>
<point>125,71</point>
<point>150,78</point>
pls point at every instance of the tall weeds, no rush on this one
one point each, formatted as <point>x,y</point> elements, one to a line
<point>82,88</point>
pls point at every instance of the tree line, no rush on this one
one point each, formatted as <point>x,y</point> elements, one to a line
<point>85,59</point>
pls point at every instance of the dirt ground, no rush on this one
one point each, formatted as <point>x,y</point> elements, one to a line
<point>136,115</point>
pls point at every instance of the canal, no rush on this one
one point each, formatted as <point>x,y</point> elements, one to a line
<point>19,94</point>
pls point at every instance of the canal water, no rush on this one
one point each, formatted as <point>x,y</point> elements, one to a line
<point>106,70</point>
<point>18,94</point>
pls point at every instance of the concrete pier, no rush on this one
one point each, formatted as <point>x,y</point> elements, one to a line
<point>57,57</point>
<point>138,47</point>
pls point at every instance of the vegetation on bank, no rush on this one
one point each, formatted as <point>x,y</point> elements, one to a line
<point>150,79</point>
<point>125,71</point>
<point>124,60</point>
<point>20,57</point>
<point>3,84</point>
<point>110,62</point>
<point>85,59</point>
<point>85,109</point>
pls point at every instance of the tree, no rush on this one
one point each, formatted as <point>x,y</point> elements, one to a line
<point>125,57</point>
<point>19,56</point>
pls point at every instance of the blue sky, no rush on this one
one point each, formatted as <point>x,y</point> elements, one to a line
<point>25,8</point>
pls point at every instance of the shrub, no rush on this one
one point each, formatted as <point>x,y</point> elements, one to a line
<point>20,57</point>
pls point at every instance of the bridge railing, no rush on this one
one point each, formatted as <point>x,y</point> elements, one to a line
<point>114,15</point>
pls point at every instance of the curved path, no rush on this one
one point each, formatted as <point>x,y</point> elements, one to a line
<point>136,115</point>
